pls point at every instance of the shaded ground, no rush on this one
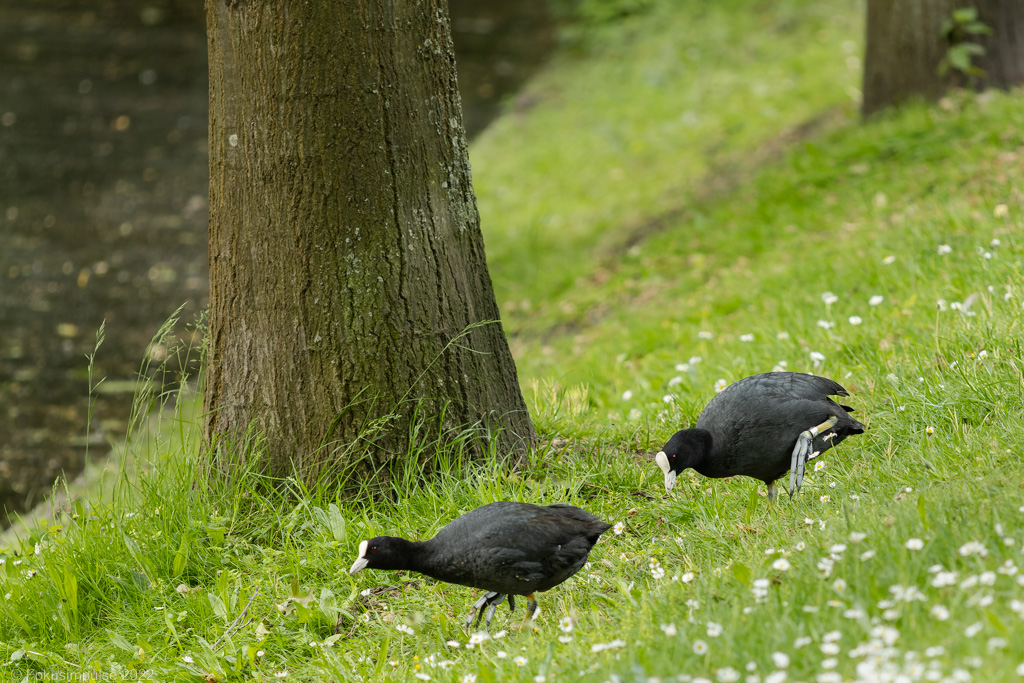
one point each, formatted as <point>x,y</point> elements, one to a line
<point>103,209</point>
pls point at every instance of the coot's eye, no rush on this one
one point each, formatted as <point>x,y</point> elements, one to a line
<point>373,548</point>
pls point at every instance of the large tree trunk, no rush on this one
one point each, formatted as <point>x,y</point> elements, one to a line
<point>348,285</point>
<point>906,45</point>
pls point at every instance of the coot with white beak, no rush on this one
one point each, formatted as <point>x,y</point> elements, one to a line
<point>504,548</point>
<point>762,426</point>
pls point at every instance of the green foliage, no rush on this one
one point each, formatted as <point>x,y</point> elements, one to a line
<point>601,11</point>
<point>957,30</point>
<point>885,256</point>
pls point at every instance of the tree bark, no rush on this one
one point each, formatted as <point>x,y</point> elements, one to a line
<point>348,286</point>
<point>906,44</point>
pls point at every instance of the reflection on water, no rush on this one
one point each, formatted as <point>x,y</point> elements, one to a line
<point>102,215</point>
<point>497,46</point>
<point>103,209</point>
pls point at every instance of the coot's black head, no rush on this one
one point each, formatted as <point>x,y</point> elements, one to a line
<point>685,449</point>
<point>383,552</point>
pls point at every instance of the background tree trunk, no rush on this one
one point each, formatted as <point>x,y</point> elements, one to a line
<point>905,45</point>
<point>346,258</point>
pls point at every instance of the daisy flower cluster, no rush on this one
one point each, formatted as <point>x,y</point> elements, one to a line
<point>852,636</point>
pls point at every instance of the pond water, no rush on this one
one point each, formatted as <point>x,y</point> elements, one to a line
<point>103,204</point>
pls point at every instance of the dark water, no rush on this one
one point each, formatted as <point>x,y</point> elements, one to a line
<point>103,203</point>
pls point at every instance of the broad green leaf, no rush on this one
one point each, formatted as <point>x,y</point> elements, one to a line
<point>218,606</point>
<point>741,572</point>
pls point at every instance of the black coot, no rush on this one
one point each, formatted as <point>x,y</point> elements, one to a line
<point>504,548</point>
<point>760,427</point>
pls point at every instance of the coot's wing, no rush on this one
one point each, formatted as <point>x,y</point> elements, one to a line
<point>813,413</point>
<point>791,384</point>
<point>553,545</point>
<point>760,399</point>
<point>514,548</point>
<point>566,534</point>
<point>755,422</point>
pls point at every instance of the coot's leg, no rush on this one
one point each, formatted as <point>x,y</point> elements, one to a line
<point>531,607</point>
<point>477,611</point>
<point>511,603</point>
<point>773,492</point>
<point>802,451</point>
<point>494,602</point>
<point>487,602</point>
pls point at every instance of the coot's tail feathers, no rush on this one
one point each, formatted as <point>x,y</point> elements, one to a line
<point>595,526</point>
<point>826,386</point>
<point>573,512</point>
<point>791,385</point>
<point>848,425</point>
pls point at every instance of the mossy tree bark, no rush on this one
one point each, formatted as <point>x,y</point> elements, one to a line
<point>906,43</point>
<point>348,285</point>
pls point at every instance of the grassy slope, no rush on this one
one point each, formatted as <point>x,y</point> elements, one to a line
<point>940,463</point>
<point>664,108</point>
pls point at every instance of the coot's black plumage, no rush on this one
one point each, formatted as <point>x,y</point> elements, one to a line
<point>504,548</point>
<point>760,427</point>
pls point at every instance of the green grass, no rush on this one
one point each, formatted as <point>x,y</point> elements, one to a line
<point>667,106</point>
<point>901,554</point>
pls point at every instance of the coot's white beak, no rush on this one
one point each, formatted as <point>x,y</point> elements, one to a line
<point>670,476</point>
<point>361,561</point>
